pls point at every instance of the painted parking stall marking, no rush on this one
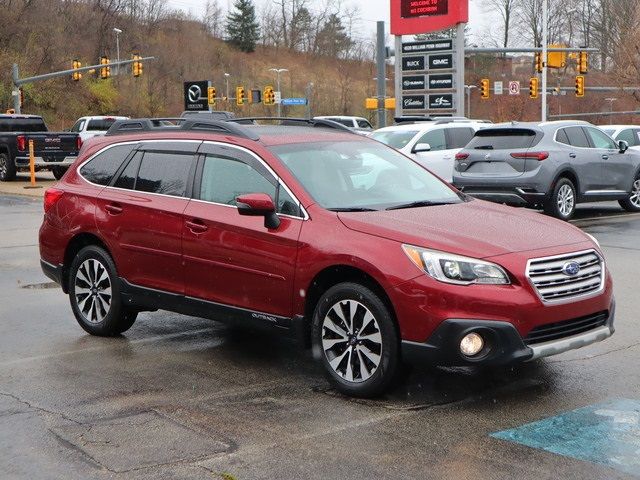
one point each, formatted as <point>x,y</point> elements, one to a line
<point>607,434</point>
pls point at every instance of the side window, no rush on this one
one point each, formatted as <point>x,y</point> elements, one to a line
<point>637,138</point>
<point>78,126</point>
<point>127,178</point>
<point>628,136</point>
<point>286,204</point>
<point>223,179</point>
<point>102,167</point>
<point>435,139</point>
<point>561,137</point>
<point>577,137</point>
<point>363,124</point>
<point>459,137</point>
<point>600,139</point>
<point>164,173</point>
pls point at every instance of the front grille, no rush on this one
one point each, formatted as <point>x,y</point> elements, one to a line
<point>553,284</point>
<point>567,328</point>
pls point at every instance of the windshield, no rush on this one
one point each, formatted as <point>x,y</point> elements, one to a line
<point>395,139</point>
<point>503,139</point>
<point>364,175</point>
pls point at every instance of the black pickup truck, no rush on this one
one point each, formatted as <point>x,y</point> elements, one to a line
<point>52,151</point>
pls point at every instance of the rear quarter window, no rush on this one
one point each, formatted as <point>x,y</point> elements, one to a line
<point>101,168</point>
<point>99,125</point>
<point>504,139</point>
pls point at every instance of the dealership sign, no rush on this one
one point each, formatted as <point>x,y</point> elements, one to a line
<point>414,17</point>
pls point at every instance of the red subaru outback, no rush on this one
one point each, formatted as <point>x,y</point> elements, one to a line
<point>330,236</point>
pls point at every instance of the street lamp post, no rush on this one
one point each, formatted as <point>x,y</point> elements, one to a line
<point>226,81</point>
<point>117,31</point>
<point>278,71</point>
<point>545,33</point>
<point>468,89</point>
<point>610,100</point>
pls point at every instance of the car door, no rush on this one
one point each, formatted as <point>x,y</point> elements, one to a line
<point>235,260</point>
<point>439,157</point>
<point>140,214</point>
<point>616,168</point>
<point>584,160</point>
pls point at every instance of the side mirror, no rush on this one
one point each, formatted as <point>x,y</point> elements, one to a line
<point>623,145</point>
<point>421,147</point>
<point>258,205</point>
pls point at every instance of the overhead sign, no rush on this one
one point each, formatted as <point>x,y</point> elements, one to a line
<point>195,95</point>
<point>440,101</point>
<point>414,82</point>
<point>413,102</point>
<point>514,87</point>
<point>497,87</point>
<point>420,8</point>
<point>427,46</point>
<point>441,61</point>
<point>294,101</point>
<point>414,17</point>
<point>413,63</point>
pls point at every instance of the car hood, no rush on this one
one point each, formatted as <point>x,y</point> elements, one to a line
<point>476,228</point>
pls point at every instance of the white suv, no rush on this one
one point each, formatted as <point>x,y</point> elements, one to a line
<point>357,124</point>
<point>89,127</point>
<point>432,144</point>
<point>628,133</point>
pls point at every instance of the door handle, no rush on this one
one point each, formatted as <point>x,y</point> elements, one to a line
<point>572,155</point>
<point>113,209</point>
<point>605,157</point>
<point>196,226</point>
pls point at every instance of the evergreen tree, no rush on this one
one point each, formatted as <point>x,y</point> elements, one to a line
<point>243,31</point>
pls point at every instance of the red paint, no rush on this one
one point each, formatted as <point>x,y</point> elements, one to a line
<point>412,17</point>
<point>211,252</point>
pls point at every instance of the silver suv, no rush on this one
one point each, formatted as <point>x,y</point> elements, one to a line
<point>553,165</point>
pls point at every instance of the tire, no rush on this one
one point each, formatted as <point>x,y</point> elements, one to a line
<point>632,203</point>
<point>58,172</point>
<point>360,365</point>
<point>7,168</point>
<point>562,202</point>
<point>94,294</point>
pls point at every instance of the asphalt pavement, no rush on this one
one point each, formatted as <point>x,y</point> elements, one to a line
<point>179,397</point>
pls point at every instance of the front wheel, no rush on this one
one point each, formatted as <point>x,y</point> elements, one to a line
<point>7,168</point>
<point>94,294</point>
<point>562,202</point>
<point>632,203</point>
<point>356,340</point>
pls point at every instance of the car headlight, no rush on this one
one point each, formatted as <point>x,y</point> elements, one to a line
<point>450,268</point>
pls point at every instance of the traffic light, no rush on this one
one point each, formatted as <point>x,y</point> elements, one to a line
<point>105,70</point>
<point>211,96</point>
<point>579,86</point>
<point>538,62</point>
<point>136,66</point>
<point>533,87</point>
<point>269,95</point>
<point>240,96</point>
<point>76,75</point>
<point>582,63</point>
<point>484,88</point>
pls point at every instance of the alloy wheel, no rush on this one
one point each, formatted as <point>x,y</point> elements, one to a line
<point>635,194</point>
<point>3,166</point>
<point>93,290</point>
<point>351,341</point>
<point>566,200</point>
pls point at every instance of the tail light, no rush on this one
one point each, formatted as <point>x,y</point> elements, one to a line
<point>78,143</point>
<point>531,155</point>
<point>462,156</point>
<point>51,197</point>
<point>22,142</point>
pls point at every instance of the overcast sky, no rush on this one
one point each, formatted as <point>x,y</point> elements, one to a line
<point>370,12</point>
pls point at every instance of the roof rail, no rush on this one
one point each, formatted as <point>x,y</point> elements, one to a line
<point>292,121</point>
<point>172,124</point>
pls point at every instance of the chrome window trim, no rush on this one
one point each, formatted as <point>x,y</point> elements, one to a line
<point>564,255</point>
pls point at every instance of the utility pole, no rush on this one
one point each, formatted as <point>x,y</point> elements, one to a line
<point>308,92</point>
<point>278,71</point>
<point>226,79</point>
<point>381,81</point>
<point>545,26</point>
<point>118,32</point>
<point>468,88</point>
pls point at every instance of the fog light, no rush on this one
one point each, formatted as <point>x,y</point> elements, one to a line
<point>471,344</point>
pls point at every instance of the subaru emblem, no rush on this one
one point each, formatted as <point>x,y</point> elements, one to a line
<point>571,269</point>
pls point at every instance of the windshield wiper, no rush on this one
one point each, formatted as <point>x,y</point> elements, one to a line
<point>352,209</point>
<point>419,203</point>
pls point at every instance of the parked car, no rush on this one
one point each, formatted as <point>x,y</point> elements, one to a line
<point>89,127</point>
<point>52,150</point>
<point>553,165</point>
<point>432,144</point>
<point>328,236</point>
<point>628,133</point>
<point>357,124</point>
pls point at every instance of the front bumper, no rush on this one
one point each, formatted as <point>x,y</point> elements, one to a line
<point>503,343</point>
<point>40,162</point>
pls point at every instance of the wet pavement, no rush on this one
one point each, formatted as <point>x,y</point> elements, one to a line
<point>180,397</point>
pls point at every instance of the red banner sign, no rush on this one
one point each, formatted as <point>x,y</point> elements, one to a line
<point>413,17</point>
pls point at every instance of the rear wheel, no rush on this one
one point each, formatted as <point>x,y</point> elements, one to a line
<point>632,203</point>
<point>94,294</point>
<point>562,202</point>
<point>356,340</point>
<point>7,168</point>
<point>58,172</point>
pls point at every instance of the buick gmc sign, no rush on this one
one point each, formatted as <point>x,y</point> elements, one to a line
<point>441,61</point>
<point>412,63</point>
